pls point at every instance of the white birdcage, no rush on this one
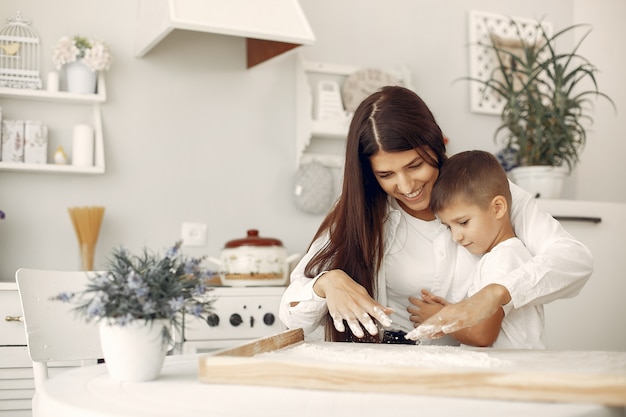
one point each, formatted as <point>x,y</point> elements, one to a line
<point>19,54</point>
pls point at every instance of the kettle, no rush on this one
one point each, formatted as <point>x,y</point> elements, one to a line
<point>254,261</point>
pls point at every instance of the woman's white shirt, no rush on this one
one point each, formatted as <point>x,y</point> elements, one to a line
<point>559,268</point>
<point>420,254</point>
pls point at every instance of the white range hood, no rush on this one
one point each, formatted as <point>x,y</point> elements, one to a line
<point>271,27</point>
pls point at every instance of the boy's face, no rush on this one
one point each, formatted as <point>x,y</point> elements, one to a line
<point>478,230</point>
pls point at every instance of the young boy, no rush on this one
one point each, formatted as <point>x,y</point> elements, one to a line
<point>472,198</point>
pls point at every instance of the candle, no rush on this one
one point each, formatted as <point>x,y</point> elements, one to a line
<point>82,148</point>
<point>53,81</point>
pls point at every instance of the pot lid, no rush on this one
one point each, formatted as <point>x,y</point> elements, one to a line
<point>253,239</point>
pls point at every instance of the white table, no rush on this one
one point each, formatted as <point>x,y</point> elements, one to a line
<point>89,392</point>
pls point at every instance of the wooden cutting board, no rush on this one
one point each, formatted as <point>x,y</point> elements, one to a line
<point>285,360</point>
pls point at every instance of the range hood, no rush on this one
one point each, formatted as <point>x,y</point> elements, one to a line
<point>270,27</point>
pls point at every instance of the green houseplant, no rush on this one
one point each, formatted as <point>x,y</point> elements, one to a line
<point>547,98</point>
<point>137,301</point>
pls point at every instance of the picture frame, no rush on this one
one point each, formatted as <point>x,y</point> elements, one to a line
<point>483,60</point>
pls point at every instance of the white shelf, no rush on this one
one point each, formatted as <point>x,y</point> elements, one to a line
<point>56,96</point>
<point>308,128</point>
<point>331,128</point>
<point>52,168</point>
<point>63,97</point>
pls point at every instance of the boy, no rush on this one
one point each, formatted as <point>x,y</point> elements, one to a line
<point>472,198</point>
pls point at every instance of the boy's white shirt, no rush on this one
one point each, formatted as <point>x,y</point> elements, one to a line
<point>522,328</point>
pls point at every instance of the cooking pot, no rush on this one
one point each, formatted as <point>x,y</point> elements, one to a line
<point>254,261</point>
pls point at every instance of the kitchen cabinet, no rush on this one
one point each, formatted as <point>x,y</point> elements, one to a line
<point>57,98</point>
<point>16,374</point>
<point>315,134</point>
<point>595,319</point>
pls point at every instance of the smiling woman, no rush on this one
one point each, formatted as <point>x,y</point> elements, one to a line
<point>408,177</point>
<point>380,245</point>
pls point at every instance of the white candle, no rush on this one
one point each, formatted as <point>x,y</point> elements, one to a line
<point>82,148</point>
<point>53,81</point>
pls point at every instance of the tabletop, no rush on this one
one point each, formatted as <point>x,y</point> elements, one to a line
<point>89,392</point>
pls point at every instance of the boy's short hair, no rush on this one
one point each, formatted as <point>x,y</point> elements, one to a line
<point>473,176</point>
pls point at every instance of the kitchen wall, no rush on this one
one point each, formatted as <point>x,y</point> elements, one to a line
<point>192,135</point>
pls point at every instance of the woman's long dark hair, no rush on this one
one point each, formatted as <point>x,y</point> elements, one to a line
<point>393,119</point>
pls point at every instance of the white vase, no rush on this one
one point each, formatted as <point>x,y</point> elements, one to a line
<point>134,352</point>
<point>541,181</point>
<point>80,79</point>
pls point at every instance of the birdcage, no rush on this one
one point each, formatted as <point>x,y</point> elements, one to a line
<point>19,54</point>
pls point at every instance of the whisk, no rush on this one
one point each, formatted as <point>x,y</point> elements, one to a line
<point>87,221</point>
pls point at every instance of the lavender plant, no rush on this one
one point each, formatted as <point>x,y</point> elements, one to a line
<point>145,287</point>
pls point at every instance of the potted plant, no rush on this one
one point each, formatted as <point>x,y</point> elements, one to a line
<point>547,96</point>
<point>82,58</point>
<point>138,300</point>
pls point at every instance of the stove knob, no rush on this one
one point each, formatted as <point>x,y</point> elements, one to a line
<point>213,320</point>
<point>269,319</point>
<point>236,320</point>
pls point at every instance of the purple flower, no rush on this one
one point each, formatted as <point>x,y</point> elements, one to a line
<point>195,309</point>
<point>64,296</point>
<point>177,303</point>
<point>171,253</point>
<point>149,307</point>
<point>2,215</point>
<point>199,289</point>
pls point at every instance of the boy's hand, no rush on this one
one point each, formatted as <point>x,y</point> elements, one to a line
<point>424,308</point>
<point>466,313</point>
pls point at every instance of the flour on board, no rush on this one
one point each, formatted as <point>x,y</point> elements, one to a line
<point>389,355</point>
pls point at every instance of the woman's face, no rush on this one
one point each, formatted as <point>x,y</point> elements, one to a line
<point>408,178</point>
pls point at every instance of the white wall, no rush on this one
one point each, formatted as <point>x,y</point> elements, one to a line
<point>602,166</point>
<point>192,135</point>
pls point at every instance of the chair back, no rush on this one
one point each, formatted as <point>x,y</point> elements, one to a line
<point>54,331</point>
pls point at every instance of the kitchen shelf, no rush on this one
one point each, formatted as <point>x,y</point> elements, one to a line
<point>51,168</point>
<point>63,97</point>
<point>56,96</point>
<point>307,127</point>
<point>331,128</point>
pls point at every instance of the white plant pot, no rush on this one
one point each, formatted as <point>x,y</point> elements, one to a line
<point>541,181</point>
<point>134,352</point>
<point>80,79</point>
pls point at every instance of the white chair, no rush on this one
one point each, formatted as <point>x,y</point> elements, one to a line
<point>54,331</point>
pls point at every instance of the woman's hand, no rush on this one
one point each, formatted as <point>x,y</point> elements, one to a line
<point>347,300</point>
<point>425,307</point>
<point>466,313</point>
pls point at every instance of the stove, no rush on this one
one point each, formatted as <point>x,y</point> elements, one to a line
<point>240,315</point>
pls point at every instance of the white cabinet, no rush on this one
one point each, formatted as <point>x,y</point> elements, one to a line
<point>315,135</point>
<point>48,98</point>
<point>596,318</point>
<point>16,374</point>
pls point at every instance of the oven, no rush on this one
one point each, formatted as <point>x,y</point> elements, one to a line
<point>240,315</point>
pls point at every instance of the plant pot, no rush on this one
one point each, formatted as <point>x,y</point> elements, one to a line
<point>134,352</point>
<point>541,181</point>
<point>80,79</point>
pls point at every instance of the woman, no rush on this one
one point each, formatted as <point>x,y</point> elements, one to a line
<point>381,245</point>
